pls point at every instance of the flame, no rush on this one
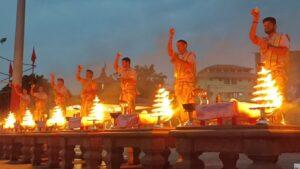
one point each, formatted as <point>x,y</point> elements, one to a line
<point>10,121</point>
<point>147,118</point>
<point>73,110</point>
<point>162,106</point>
<point>244,108</point>
<point>96,114</point>
<point>57,118</point>
<point>267,93</point>
<point>28,120</point>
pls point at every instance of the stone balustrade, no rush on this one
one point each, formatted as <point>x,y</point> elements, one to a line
<point>262,144</point>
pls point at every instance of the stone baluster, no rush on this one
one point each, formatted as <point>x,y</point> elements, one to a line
<point>229,159</point>
<point>15,151</point>
<point>26,150</point>
<point>166,153</point>
<point>1,149</point>
<point>190,158</point>
<point>92,154</point>
<point>264,153</point>
<point>53,152</point>
<point>67,156</point>
<point>263,161</point>
<point>153,150</point>
<point>36,151</point>
<point>6,151</point>
<point>114,157</point>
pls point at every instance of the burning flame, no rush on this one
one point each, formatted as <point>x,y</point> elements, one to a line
<point>267,94</point>
<point>28,120</point>
<point>10,121</point>
<point>96,114</point>
<point>162,106</point>
<point>57,118</point>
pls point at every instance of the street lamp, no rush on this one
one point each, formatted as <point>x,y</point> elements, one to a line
<point>2,40</point>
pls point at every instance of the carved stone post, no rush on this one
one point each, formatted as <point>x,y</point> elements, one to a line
<point>229,159</point>
<point>153,149</point>
<point>53,152</point>
<point>92,154</point>
<point>190,158</point>
<point>114,155</point>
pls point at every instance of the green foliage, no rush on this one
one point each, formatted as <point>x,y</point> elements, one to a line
<point>5,98</point>
<point>148,81</point>
<point>109,90</point>
<point>27,81</point>
<point>147,84</point>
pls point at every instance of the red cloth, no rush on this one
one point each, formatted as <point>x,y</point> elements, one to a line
<point>33,56</point>
<point>74,122</point>
<point>128,121</point>
<point>218,110</point>
<point>10,70</point>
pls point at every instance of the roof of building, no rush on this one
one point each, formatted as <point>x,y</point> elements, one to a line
<point>226,71</point>
<point>228,67</point>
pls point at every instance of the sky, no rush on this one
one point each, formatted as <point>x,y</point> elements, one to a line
<point>66,33</point>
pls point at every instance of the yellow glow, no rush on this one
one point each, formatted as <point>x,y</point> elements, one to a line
<point>108,108</point>
<point>245,109</point>
<point>28,120</point>
<point>162,106</point>
<point>96,114</point>
<point>267,93</point>
<point>10,121</point>
<point>57,118</point>
<point>72,110</point>
<point>147,118</point>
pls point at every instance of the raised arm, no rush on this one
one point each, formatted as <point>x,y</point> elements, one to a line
<point>31,90</point>
<point>78,72</point>
<point>116,62</point>
<point>252,34</point>
<point>172,54</point>
<point>170,43</point>
<point>52,80</point>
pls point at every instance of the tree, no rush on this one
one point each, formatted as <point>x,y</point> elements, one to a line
<point>27,81</point>
<point>147,84</point>
<point>109,90</point>
<point>5,99</point>
<point>148,81</point>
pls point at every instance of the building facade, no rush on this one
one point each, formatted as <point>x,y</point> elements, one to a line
<point>227,81</point>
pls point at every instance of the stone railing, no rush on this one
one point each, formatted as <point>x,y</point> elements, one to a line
<point>262,144</point>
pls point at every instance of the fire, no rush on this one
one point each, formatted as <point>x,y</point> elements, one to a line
<point>57,118</point>
<point>96,115</point>
<point>28,120</point>
<point>162,106</point>
<point>10,121</point>
<point>147,118</point>
<point>267,94</point>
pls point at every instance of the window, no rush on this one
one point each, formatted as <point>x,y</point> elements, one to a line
<point>226,81</point>
<point>233,81</point>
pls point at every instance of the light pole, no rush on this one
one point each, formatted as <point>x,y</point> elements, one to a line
<point>18,53</point>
